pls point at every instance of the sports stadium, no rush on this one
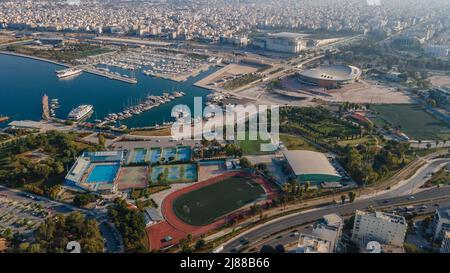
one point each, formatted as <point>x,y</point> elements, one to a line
<point>330,75</point>
<point>311,166</point>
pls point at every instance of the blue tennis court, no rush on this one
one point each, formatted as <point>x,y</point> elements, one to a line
<point>139,155</point>
<point>105,173</point>
<point>184,153</point>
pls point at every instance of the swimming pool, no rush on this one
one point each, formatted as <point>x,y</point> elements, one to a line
<point>105,173</point>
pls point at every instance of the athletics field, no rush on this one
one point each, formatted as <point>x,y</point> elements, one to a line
<point>203,206</point>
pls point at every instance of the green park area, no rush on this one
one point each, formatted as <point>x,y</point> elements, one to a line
<point>296,143</point>
<point>413,120</point>
<point>204,205</point>
<point>37,162</point>
<point>63,54</point>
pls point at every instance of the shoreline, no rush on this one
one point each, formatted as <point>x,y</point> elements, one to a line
<point>33,57</point>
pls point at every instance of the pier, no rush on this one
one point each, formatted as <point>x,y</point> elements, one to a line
<point>92,70</point>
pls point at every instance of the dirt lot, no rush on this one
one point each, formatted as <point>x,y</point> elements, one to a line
<point>360,92</point>
<point>440,80</point>
<point>230,70</point>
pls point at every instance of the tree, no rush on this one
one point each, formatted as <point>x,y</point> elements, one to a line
<point>411,248</point>
<point>200,244</point>
<point>101,140</point>
<point>307,186</point>
<point>245,163</point>
<point>343,197</point>
<point>352,196</point>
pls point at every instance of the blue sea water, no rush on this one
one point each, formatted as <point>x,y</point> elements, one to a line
<point>24,81</point>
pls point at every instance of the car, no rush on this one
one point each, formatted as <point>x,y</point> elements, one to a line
<point>385,201</point>
<point>244,241</point>
<point>411,197</point>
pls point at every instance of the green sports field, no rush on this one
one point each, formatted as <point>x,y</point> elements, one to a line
<point>203,206</point>
<point>413,120</point>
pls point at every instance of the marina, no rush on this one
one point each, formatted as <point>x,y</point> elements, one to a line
<point>174,65</point>
<point>21,100</point>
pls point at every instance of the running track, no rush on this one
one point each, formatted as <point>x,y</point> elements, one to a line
<point>177,229</point>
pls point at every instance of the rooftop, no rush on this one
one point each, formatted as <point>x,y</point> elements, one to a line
<point>309,162</point>
<point>311,244</point>
<point>332,72</point>
<point>385,216</point>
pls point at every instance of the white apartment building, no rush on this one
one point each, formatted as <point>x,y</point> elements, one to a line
<point>445,247</point>
<point>441,223</point>
<point>437,50</point>
<point>379,226</point>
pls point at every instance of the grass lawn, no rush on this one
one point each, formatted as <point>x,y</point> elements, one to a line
<point>413,120</point>
<point>296,143</point>
<point>252,147</point>
<point>203,206</point>
<point>158,132</point>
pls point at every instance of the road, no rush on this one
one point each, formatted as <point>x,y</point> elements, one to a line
<point>397,195</point>
<point>419,179</point>
<point>297,219</point>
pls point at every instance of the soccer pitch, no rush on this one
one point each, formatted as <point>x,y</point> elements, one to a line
<point>203,206</point>
<point>413,120</point>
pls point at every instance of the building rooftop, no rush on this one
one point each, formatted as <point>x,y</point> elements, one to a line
<point>385,216</point>
<point>26,124</point>
<point>332,219</point>
<point>290,35</point>
<point>444,214</point>
<point>309,162</point>
<point>311,244</point>
<point>332,72</point>
<point>104,156</point>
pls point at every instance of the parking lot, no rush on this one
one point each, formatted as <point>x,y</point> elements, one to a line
<point>23,212</point>
<point>21,215</point>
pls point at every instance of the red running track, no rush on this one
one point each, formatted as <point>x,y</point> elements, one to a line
<point>177,229</point>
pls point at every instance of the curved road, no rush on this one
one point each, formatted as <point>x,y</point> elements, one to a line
<point>391,198</point>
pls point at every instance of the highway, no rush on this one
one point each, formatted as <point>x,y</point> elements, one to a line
<point>397,196</point>
<point>272,227</point>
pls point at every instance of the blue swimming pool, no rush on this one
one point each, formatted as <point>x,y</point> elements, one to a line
<point>105,173</point>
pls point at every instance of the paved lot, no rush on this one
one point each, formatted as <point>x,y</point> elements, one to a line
<point>21,215</point>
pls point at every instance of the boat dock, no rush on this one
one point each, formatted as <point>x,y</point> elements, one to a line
<point>92,70</point>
